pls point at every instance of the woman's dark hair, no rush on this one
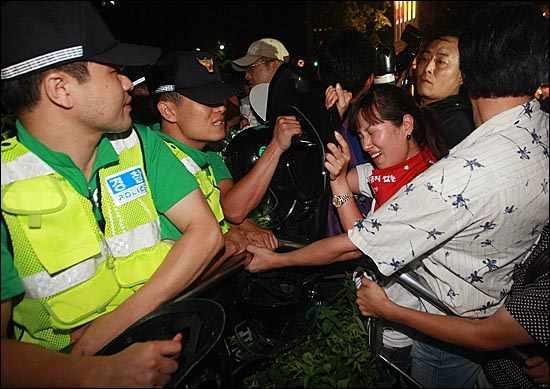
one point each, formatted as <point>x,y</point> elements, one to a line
<point>389,102</point>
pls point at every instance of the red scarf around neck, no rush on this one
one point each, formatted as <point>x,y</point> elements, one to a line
<point>385,182</point>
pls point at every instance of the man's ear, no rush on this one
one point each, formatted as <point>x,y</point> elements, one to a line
<point>408,124</point>
<point>167,110</point>
<point>58,87</point>
<point>460,80</point>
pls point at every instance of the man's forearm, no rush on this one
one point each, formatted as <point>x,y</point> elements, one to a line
<point>488,334</point>
<point>246,194</point>
<point>28,365</point>
<point>183,264</point>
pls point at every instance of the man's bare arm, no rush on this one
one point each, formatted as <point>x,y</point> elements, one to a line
<point>498,331</point>
<point>27,365</point>
<point>258,236</point>
<point>239,198</point>
<point>188,258</point>
<point>235,243</point>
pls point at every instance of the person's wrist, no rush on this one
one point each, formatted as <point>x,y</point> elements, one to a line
<point>338,200</point>
<point>342,110</point>
<point>276,147</point>
<point>280,260</point>
<point>95,370</point>
<point>388,310</point>
<point>340,187</point>
<point>339,184</point>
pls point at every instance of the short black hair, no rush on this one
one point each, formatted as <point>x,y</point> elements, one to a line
<point>21,94</point>
<point>450,23</point>
<point>439,34</point>
<point>173,97</point>
<point>504,51</point>
<point>347,58</point>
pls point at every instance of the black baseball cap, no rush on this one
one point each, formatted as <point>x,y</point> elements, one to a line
<point>193,74</point>
<point>37,35</point>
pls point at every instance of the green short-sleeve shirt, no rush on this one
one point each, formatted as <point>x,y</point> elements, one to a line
<point>221,172</point>
<point>202,159</point>
<point>161,166</point>
<point>11,283</point>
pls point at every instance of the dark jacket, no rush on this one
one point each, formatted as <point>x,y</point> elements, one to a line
<point>455,119</point>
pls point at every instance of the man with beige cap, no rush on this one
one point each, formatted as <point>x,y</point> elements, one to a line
<point>262,60</point>
<point>260,63</point>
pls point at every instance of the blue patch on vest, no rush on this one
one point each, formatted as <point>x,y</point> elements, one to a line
<point>127,185</point>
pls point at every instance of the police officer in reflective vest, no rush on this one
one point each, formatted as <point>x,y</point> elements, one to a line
<point>81,231</point>
<point>189,96</point>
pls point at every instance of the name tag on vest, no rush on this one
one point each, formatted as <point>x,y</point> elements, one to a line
<point>127,185</point>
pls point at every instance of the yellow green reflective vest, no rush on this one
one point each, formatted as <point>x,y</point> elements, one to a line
<point>73,272</point>
<point>207,182</point>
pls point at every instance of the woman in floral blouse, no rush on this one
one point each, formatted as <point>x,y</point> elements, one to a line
<point>401,140</point>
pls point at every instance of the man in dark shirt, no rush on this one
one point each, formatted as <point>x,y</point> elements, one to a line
<point>346,68</point>
<point>439,81</point>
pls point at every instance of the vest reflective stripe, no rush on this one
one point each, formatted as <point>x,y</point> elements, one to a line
<point>143,236</point>
<point>190,165</point>
<point>123,144</point>
<point>42,285</point>
<point>88,284</point>
<point>207,183</point>
<point>26,166</point>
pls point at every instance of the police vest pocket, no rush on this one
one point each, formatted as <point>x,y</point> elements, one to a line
<point>55,220</point>
<point>34,196</point>
<point>140,266</point>
<point>31,308</point>
<point>84,302</point>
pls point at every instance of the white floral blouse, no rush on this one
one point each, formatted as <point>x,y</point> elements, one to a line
<point>466,221</point>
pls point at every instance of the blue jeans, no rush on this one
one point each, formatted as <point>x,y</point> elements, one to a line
<point>440,365</point>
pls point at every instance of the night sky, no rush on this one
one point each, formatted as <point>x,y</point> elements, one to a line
<point>186,25</point>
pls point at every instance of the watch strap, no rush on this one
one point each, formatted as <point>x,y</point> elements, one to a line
<point>341,199</point>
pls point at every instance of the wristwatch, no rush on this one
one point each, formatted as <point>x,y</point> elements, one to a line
<point>339,200</point>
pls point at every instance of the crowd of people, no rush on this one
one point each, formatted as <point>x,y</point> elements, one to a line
<point>105,221</point>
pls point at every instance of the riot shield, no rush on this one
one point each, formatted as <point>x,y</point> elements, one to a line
<point>200,321</point>
<point>297,197</point>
